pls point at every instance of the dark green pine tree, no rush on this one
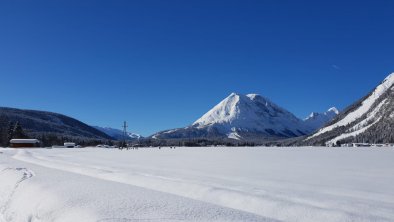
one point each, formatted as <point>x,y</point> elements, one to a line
<point>18,132</point>
<point>4,123</point>
<point>10,131</point>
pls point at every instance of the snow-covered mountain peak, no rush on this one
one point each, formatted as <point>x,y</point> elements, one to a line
<point>316,120</point>
<point>387,83</point>
<point>312,115</point>
<point>333,110</point>
<point>225,111</point>
<point>389,78</point>
<point>237,106</point>
<point>259,98</point>
<point>248,116</point>
<point>251,113</point>
<point>254,96</point>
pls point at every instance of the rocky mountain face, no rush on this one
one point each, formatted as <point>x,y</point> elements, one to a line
<point>242,117</point>
<point>371,119</point>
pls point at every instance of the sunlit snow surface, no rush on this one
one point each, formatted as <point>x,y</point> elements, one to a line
<point>197,184</point>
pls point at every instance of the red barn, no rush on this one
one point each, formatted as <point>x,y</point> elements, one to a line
<point>24,143</point>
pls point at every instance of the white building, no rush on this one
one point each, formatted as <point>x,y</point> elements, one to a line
<point>69,145</point>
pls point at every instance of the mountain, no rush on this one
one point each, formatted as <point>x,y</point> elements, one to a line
<point>38,123</point>
<point>117,134</point>
<point>371,119</point>
<point>242,117</point>
<point>317,120</point>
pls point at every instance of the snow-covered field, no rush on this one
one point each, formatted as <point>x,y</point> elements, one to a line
<point>197,184</point>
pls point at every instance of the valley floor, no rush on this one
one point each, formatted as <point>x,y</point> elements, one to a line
<point>197,184</point>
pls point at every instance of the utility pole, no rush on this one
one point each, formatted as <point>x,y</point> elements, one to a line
<point>124,145</point>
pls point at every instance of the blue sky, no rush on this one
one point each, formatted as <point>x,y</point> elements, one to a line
<point>163,64</point>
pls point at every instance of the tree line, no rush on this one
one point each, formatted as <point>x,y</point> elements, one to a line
<point>10,130</point>
<point>14,130</point>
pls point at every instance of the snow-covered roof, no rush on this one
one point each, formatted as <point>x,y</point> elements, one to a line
<point>24,141</point>
<point>69,144</point>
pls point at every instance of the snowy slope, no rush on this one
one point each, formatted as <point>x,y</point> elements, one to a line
<point>368,119</point>
<point>240,115</point>
<point>197,184</point>
<point>117,134</point>
<point>317,120</point>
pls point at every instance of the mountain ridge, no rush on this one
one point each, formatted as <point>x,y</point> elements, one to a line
<point>240,117</point>
<point>117,133</point>
<point>37,123</point>
<point>317,120</point>
<point>369,119</point>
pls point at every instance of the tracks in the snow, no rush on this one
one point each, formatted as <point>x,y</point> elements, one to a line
<point>22,174</point>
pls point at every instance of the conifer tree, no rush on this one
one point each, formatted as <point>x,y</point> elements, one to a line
<point>18,132</point>
<point>10,131</point>
<point>4,122</point>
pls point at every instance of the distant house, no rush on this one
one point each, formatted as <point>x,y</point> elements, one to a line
<point>24,143</point>
<point>69,145</point>
<point>361,145</point>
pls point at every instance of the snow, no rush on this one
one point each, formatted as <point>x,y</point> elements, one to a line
<point>364,108</point>
<point>24,141</point>
<point>316,120</point>
<point>170,131</point>
<point>225,111</point>
<point>312,115</point>
<point>334,110</point>
<point>352,133</point>
<point>250,113</point>
<point>362,126</point>
<point>234,135</point>
<point>197,184</point>
<point>370,116</point>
